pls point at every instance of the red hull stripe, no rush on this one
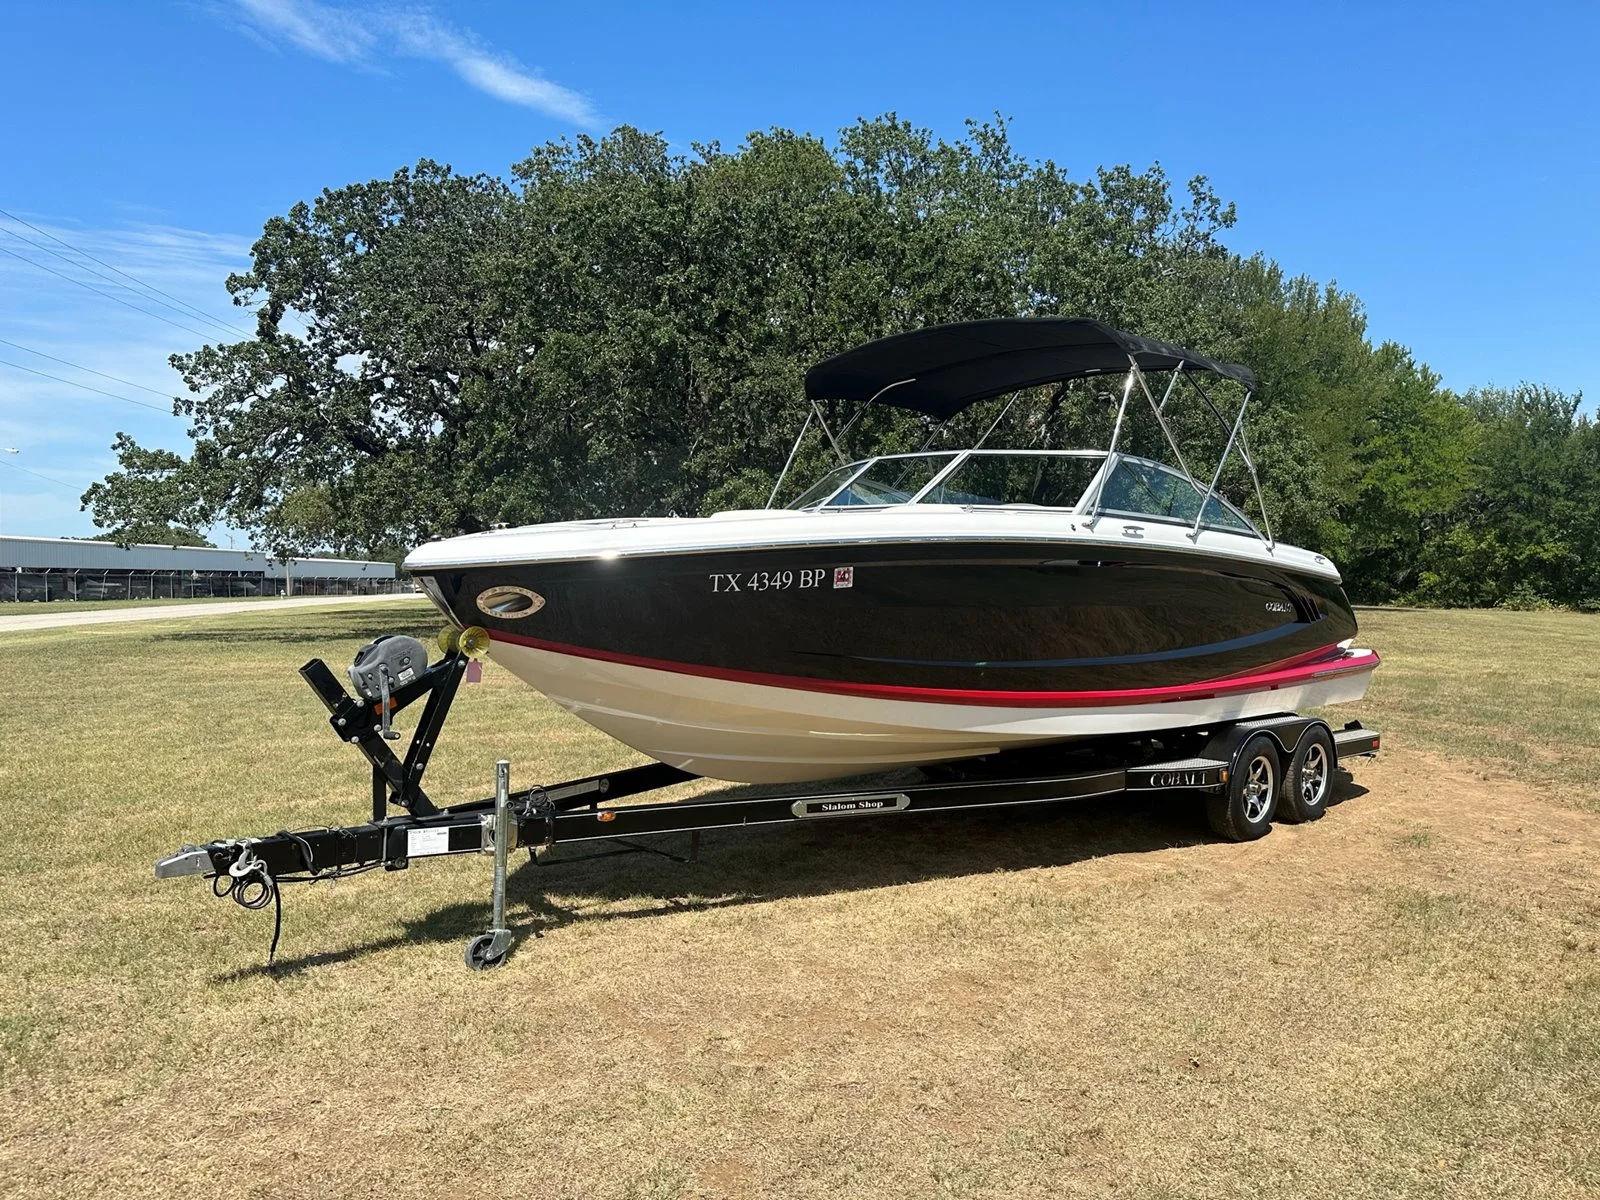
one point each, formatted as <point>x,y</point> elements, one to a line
<point>1321,664</point>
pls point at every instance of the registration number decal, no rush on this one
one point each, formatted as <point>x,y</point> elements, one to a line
<point>778,581</point>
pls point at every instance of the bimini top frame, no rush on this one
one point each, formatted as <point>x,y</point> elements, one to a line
<point>945,369</point>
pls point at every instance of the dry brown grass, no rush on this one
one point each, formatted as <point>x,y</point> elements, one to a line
<point>1402,999</point>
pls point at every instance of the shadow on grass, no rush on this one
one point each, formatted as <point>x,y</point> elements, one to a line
<point>1344,788</point>
<point>746,866</point>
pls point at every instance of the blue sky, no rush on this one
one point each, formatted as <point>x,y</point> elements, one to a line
<point>1442,161</point>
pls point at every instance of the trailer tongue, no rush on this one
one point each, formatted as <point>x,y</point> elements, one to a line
<point>1249,771</point>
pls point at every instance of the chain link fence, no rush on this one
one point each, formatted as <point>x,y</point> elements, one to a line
<point>24,585</point>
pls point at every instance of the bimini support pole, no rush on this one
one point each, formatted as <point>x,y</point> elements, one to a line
<point>997,420</point>
<point>1269,540</point>
<point>1162,420</point>
<point>821,420</point>
<point>1216,476</point>
<point>1249,462</point>
<point>1116,436</point>
<point>789,462</point>
<point>1171,386</point>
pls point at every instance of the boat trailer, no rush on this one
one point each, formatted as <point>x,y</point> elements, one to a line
<point>1249,772</point>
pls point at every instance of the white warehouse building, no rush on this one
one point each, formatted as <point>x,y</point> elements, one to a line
<point>37,568</point>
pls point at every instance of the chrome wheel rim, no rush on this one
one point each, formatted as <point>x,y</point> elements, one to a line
<point>1314,776</point>
<point>1258,786</point>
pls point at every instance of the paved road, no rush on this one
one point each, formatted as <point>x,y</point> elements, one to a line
<point>57,617</point>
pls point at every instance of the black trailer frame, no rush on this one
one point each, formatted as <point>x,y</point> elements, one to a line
<point>1230,763</point>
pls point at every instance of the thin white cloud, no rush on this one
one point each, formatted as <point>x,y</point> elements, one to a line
<point>363,36</point>
<point>315,28</point>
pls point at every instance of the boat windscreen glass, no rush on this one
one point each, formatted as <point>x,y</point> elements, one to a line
<point>1145,489</point>
<point>891,480</point>
<point>1044,480</point>
<point>825,487</point>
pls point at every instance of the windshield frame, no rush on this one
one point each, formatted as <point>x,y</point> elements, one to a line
<point>957,458</point>
<point>1108,464</point>
<point>1206,500</point>
<point>862,466</point>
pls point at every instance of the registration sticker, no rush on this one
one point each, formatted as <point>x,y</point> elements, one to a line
<point>422,842</point>
<point>844,577</point>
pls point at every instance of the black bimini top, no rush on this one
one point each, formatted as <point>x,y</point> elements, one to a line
<point>944,368</point>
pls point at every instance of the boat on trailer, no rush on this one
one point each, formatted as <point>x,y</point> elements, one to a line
<point>925,607</point>
<point>1020,627</point>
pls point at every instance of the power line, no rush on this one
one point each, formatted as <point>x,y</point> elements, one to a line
<point>182,305</point>
<point>98,391</point>
<point>90,370</point>
<point>47,478</point>
<point>228,329</point>
<point>107,295</point>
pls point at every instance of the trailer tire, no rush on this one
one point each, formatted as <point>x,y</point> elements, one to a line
<point>1308,781</point>
<point>1243,811</point>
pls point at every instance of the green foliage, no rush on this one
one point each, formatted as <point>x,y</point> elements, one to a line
<point>620,329</point>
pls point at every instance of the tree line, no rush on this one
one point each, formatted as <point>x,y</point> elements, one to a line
<point>616,328</point>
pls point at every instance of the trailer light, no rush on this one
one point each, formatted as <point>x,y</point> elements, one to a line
<point>605,816</point>
<point>474,640</point>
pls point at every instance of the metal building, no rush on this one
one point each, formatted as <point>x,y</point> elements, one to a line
<point>35,568</point>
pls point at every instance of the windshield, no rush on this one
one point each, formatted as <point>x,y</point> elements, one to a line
<point>826,486</point>
<point>1042,480</point>
<point>885,481</point>
<point>1036,479</point>
<point>892,480</point>
<point>1147,489</point>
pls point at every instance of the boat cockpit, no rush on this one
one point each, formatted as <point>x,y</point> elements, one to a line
<point>1072,481</point>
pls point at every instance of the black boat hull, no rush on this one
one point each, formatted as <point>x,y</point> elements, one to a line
<point>804,662</point>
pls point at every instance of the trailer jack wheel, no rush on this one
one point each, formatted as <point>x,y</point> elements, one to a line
<point>488,950</point>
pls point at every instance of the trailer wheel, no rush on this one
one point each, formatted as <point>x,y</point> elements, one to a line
<point>1244,809</point>
<point>1308,781</point>
<point>487,951</point>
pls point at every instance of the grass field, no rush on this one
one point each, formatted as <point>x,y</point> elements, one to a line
<point>1400,1000</point>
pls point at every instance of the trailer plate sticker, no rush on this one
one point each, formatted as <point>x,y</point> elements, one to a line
<point>847,806</point>
<point>422,842</point>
